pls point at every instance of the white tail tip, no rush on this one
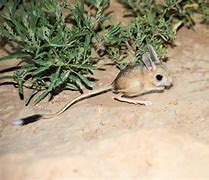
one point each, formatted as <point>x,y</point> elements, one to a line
<point>17,122</point>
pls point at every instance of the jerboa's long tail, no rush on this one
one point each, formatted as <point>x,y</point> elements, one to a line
<point>36,117</point>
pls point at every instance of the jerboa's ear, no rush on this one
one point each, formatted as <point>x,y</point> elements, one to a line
<point>153,55</point>
<point>148,63</point>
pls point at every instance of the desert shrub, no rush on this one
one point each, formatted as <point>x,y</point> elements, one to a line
<point>57,56</point>
<point>154,22</point>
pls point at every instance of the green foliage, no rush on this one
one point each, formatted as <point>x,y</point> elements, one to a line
<point>148,29</point>
<point>154,23</point>
<point>204,11</point>
<point>58,57</point>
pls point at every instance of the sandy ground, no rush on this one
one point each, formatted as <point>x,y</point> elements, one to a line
<point>100,138</point>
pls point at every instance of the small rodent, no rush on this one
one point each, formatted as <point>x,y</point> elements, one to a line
<point>134,80</point>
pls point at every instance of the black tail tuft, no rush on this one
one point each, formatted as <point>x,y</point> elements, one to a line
<point>27,120</point>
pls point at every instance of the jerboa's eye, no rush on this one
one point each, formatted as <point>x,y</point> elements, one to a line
<point>159,77</point>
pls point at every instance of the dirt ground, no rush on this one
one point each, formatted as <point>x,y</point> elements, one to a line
<point>100,138</point>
